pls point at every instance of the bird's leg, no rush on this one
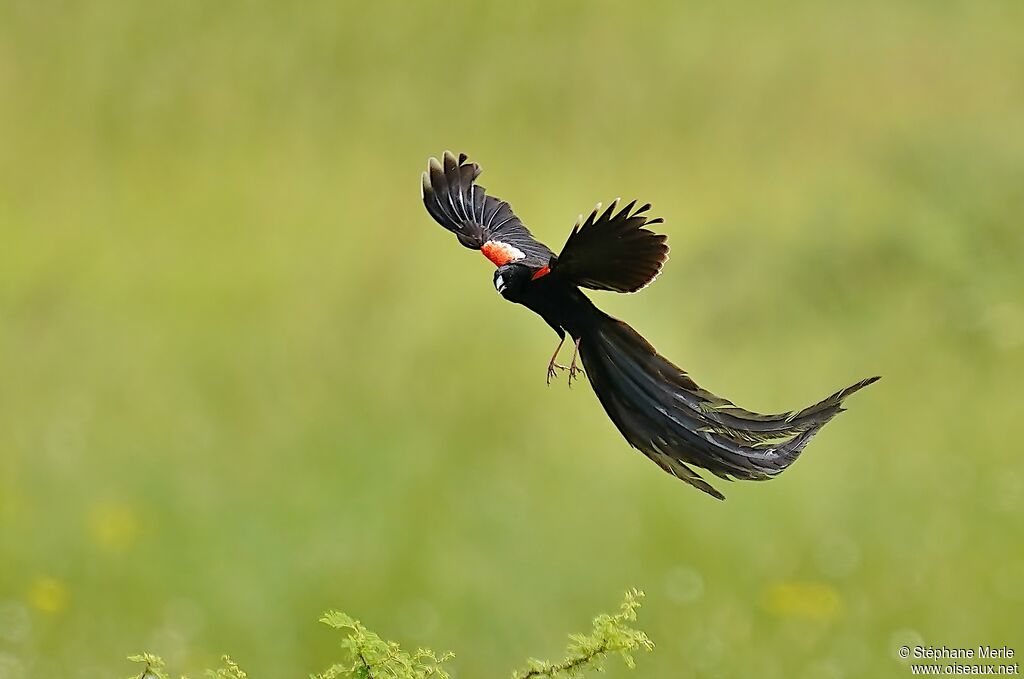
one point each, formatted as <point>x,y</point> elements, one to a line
<point>574,369</point>
<point>551,364</point>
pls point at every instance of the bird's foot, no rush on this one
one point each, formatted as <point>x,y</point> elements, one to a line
<point>553,369</point>
<point>574,372</point>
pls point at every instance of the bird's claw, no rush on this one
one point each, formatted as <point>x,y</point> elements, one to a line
<point>574,372</point>
<point>553,370</point>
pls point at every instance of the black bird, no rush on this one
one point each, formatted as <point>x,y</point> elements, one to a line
<point>655,405</point>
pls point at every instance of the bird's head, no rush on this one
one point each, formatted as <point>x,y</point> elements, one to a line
<point>510,279</point>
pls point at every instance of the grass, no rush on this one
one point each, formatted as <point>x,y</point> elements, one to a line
<point>243,370</point>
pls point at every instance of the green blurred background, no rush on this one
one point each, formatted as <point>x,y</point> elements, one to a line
<point>245,378</point>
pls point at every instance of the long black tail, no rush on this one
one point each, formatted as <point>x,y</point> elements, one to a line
<point>665,415</point>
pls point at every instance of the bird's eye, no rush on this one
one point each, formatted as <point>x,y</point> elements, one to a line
<point>499,283</point>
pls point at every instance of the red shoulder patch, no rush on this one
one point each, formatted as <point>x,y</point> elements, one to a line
<point>501,253</point>
<point>540,273</point>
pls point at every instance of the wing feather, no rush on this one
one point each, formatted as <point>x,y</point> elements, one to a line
<point>612,250</point>
<point>456,202</point>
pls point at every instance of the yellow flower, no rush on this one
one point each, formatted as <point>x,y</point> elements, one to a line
<point>113,526</point>
<point>48,595</point>
<point>811,600</point>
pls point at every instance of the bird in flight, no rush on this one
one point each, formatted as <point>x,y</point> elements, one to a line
<point>654,404</point>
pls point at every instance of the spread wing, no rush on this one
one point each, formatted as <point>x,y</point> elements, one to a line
<point>613,251</point>
<point>481,222</point>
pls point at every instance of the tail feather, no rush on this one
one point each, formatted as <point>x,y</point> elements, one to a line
<point>663,413</point>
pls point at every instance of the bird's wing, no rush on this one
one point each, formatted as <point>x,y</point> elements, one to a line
<point>481,222</point>
<point>612,250</point>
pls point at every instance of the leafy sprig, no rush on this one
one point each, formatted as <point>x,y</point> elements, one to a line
<point>370,657</point>
<point>611,634</point>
